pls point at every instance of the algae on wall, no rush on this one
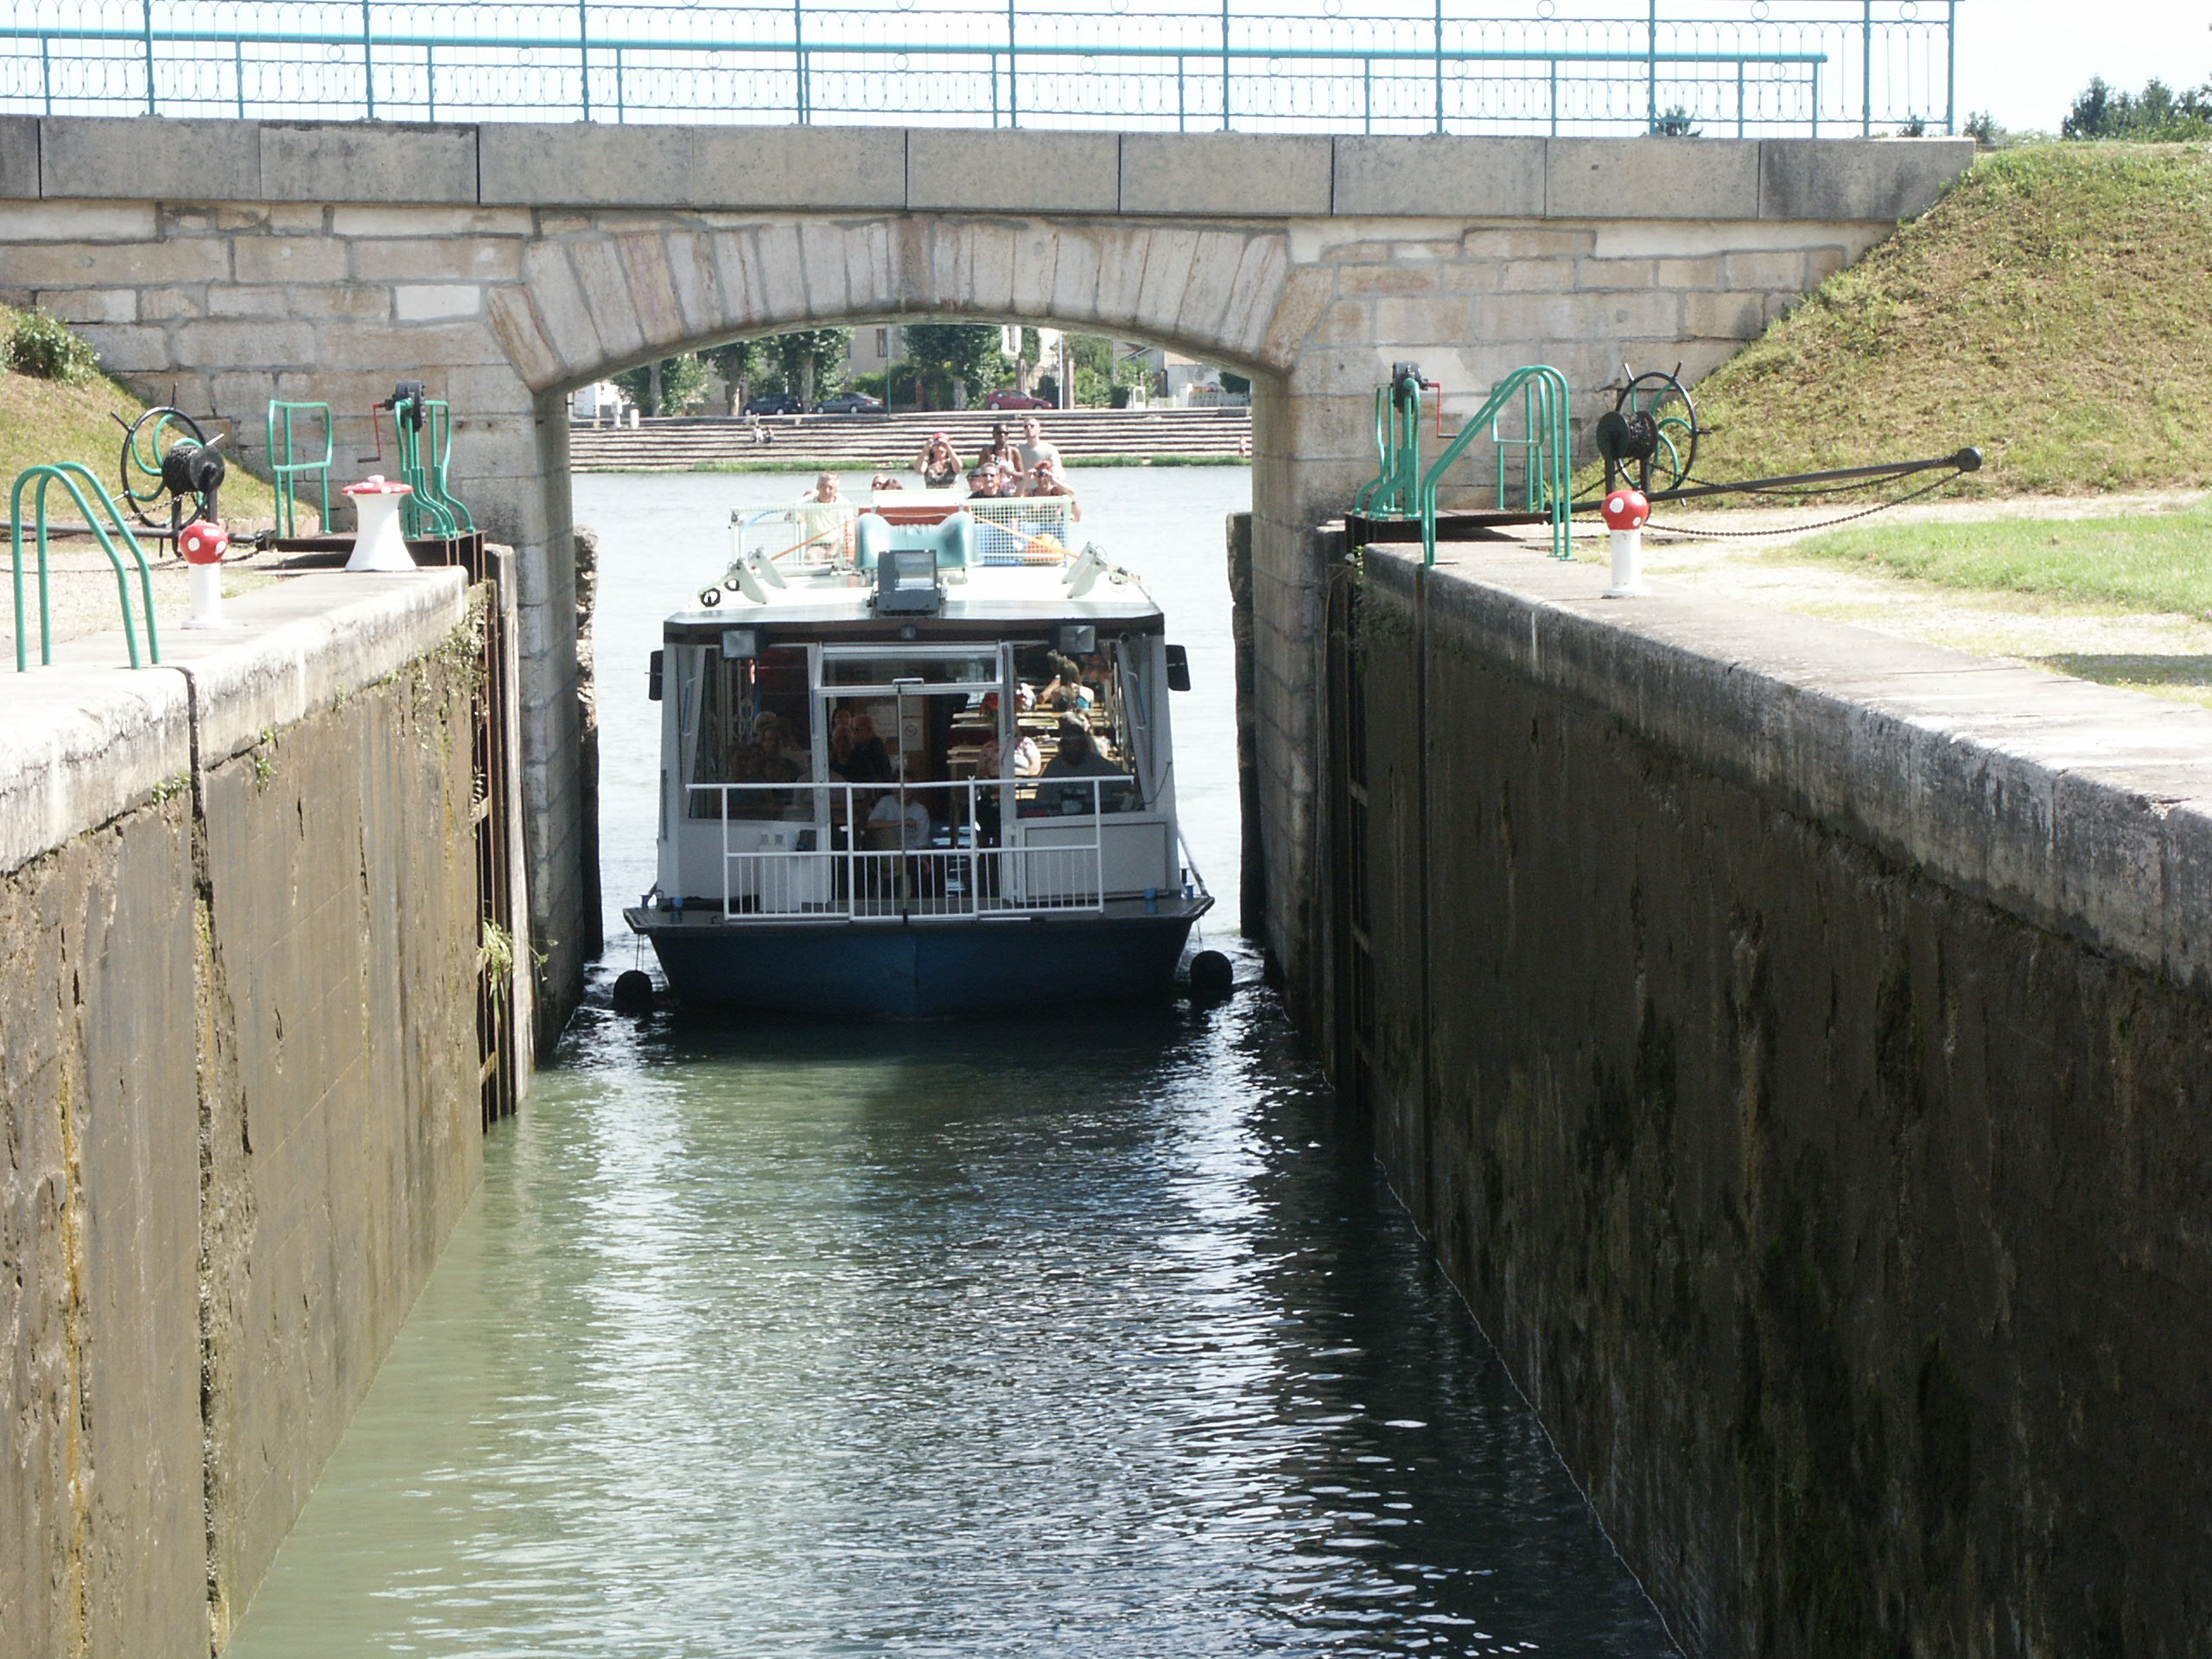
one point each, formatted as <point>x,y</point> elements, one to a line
<point>242,1109</point>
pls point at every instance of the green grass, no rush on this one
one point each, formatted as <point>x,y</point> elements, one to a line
<point>2146,562</point>
<point>2050,310</point>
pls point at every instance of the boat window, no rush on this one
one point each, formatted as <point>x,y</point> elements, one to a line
<point>977,669</point>
<point>754,728</point>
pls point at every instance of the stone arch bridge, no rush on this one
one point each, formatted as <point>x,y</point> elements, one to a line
<point>219,263</point>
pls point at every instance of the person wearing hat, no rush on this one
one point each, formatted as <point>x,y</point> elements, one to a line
<point>938,464</point>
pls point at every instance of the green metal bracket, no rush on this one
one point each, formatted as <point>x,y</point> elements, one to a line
<point>286,465</point>
<point>423,431</point>
<point>85,490</point>
<point>1542,394</point>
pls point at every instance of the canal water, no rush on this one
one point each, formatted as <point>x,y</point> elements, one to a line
<point>1080,1331</point>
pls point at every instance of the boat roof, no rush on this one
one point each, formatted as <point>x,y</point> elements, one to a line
<point>826,595</point>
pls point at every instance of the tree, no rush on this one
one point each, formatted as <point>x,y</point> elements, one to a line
<point>811,360</point>
<point>740,364</point>
<point>967,354</point>
<point>668,387</point>
<point>2155,115</point>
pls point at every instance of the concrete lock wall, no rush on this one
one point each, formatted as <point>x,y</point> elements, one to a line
<point>1794,1042</point>
<point>226,262</point>
<point>238,1061</point>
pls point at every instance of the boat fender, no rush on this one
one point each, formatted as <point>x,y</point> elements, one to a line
<point>1212,980</point>
<point>633,992</point>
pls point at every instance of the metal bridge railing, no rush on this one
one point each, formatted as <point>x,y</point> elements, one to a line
<point>1596,67</point>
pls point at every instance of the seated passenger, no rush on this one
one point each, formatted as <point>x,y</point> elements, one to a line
<point>883,482</point>
<point>824,490</point>
<point>1079,758</point>
<point>910,819</point>
<point>1046,480</point>
<point>866,761</point>
<point>781,762</point>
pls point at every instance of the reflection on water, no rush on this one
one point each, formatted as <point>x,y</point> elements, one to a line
<point>1063,1335</point>
<point>1055,1336</point>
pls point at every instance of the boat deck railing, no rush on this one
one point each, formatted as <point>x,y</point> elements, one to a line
<point>843,852</point>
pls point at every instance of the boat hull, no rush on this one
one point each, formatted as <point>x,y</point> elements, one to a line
<point>920,969</point>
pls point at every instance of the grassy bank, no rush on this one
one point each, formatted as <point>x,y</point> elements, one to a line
<point>2050,310</point>
<point>2141,562</point>
<point>43,421</point>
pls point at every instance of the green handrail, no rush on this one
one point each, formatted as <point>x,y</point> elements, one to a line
<point>422,426</point>
<point>284,466</point>
<point>77,479</point>
<point>1542,391</point>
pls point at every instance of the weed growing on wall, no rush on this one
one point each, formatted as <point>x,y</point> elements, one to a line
<point>41,346</point>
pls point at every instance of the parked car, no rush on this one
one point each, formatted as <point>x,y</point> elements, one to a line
<point>774,402</point>
<point>1008,397</point>
<point>849,402</point>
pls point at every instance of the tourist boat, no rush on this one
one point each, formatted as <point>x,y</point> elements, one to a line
<point>805,865</point>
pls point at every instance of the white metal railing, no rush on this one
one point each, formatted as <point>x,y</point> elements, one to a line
<point>838,852</point>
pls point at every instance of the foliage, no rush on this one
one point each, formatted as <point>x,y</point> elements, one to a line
<point>2048,309</point>
<point>1236,385</point>
<point>672,386</point>
<point>2155,115</point>
<point>965,352</point>
<point>873,385</point>
<point>1677,123</point>
<point>41,346</point>
<point>811,361</point>
<point>740,364</point>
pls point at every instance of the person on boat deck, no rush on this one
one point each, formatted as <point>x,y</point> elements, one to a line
<point>991,481</point>
<point>1000,449</point>
<point>911,818</point>
<point>1066,690</point>
<point>1046,480</point>
<point>938,463</point>
<point>883,482</point>
<point>824,490</point>
<point>867,760</point>
<point>1032,448</point>
<point>1079,758</point>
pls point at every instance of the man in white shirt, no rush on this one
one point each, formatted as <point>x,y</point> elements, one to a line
<point>1033,448</point>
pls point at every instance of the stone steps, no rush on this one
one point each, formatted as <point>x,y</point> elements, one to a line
<point>891,441</point>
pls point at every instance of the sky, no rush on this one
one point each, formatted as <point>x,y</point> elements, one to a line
<point>2025,61</point>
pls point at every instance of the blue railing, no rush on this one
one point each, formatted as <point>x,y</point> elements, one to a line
<point>1720,68</point>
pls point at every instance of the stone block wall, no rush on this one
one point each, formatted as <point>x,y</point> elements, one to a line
<point>237,1019</point>
<point>1794,1042</point>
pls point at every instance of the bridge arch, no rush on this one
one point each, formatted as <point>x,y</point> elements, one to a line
<point>506,263</point>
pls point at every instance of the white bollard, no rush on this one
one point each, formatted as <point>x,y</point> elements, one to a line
<point>1625,511</point>
<point>203,546</point>
<point>379,543</point>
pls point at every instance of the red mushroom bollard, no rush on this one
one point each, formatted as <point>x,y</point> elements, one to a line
<point>203,546</point>
<point>1625,512</point>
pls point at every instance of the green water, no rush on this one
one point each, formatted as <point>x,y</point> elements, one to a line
<point>1068,1334</point>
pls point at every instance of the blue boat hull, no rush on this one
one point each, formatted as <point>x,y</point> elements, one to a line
<point>917,970</point>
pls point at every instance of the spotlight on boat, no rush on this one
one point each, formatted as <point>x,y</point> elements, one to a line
<point>763,567</point>
<point>749,584</point>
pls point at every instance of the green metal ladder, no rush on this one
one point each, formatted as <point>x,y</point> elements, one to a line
<point>1405,488</point>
